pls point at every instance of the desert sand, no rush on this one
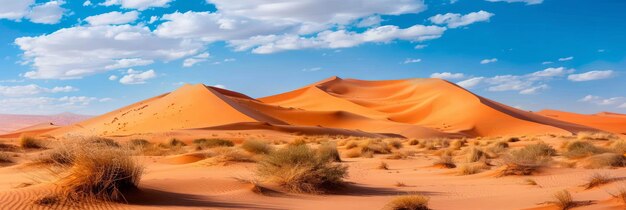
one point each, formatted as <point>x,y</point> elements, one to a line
<point>411,126</point>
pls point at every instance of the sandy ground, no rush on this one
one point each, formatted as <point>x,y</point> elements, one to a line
<point>185,182</point>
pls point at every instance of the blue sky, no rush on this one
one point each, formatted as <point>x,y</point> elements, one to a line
<point>92,57</point>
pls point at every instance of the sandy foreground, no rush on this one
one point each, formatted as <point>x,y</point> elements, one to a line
<point>187,180</point>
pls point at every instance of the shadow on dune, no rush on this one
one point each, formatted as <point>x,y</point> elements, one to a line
<point>356,190</point>
<point>154,197</point>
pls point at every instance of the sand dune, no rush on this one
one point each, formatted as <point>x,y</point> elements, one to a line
<point>606,121</point>
<point>431,103</point>
<point>12,122</point>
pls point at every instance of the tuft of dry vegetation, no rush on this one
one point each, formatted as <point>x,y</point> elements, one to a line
<point>227,155</point>
<point>92,170</point>
<point>527,160</point>
<point>211,143</point>
<point>597,179</point>
<point>173,142</point>
<point>5,158</point>
<point>472,168</point>
<point>590,135</point>
<point>474,154</point>
<point>382,165</point>
<point>580,149</point>
<point>138,143</point>
<point>563,200</point>
<point>619,146</point>
<point>621,194</point>
<point>604,160</point>
<point>530,182</point>
<point>329,151</point>
<point>408,202</point>
<point>8,147</point>
<point>257,146</point>
<point>28,142</point>
<point>300,169</point>
<point>353,153</point>
<point>445,161</point>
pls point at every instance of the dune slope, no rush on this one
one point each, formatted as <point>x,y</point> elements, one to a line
<point>606,121</point>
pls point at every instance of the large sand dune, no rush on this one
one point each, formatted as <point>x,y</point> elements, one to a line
<point>607,121</point>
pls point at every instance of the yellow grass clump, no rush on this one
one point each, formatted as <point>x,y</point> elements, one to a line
<point>408,202</point>
<point>590,135</point>
<point>580,149</point>
<point>604,160</point>
<point>301,169</point>
<point>257,146</point>
<point>28,142</point>
<point>527,160</point>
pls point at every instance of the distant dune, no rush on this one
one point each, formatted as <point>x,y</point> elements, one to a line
<point>12,122</point>
<point>607,121</point>
<point>414,108</point>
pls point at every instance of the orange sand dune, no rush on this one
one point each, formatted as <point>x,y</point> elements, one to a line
<point>33,130</point>
<point>607,121</point>
<point>432,103</point>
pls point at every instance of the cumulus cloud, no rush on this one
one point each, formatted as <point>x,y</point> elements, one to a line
<point>471,82</point>
<point>369,21</point>
<point>32,89</point>
<point>552,72</point>
<point>49,12</point>
<point>525,84</point>
<point>528,2</point>
<point>447,75</point>
<point>567,58</point>
<point>189,62</point>
<point>533,90</point>
<point>80,51</point>
<point>486,61</point>
<point>455,20</point>
<point>113,77</point>
<point>602,101</point>
<point>15,9</point>
<point>591,75</point>
<point>45,105</point>
<point>137,4</point>
<point>134,77</point>
<point>113,18</point>
<point>87,3</point>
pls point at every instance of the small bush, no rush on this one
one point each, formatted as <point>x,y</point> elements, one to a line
<point>62,156</point>
<point>597,179</point>
<point>527,160</point>
<point>382,165</point>
<point>5,158</point>
<point>27,142</point>
<point>101,141</point>
<point>138,143</point>
<point>621,194</point>
<point>353,153</point>
<point>563,200</point>
<point>588,135</point>
<point>530,182</point>
<point>580,149</point>
<point>414,142</point>
<point>445,161</point>
<point>329,152</point>
<point>457,144</point>
<point>174,142</point>
<point>257,147</point>
<point>471,168</point>
<point>210,143</point>
<point>619,147</point>
<point>300,169</point>
<point>8,147</point>
<point>605,160</point>
<point>408,202</point>
<point>394,143</point>
<point>474,154</point>
<point>227,155</point>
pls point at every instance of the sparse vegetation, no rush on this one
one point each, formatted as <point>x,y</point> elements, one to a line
<point>621,194</point>
<point>28,142</point>
<point>227,155</point>
<point>604,160</point>
<point>408,202</point>
<point>382,165</point>
<point>563,200</point>
<point>580,149</point>
<point>527,160</point>
<point>590,135</point>
<point>530,182</point>
<point>300,169</point>
<point>445,161</point>
<point>5,158</point>
<point>353,153</point>
<point>138,143</point>
<point>210,143</point>
<point>8,147</point>
<point>471,168</point>
<point>474,154</point>
<point>329,151</point>
<point>597,179</point>
<point>173,142</point>
<point>256,146</point>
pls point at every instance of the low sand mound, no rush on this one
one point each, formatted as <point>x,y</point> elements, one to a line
<point>12,122</point>
<point>431,103</point>
<point>31,130</point>
<point>606,121</point>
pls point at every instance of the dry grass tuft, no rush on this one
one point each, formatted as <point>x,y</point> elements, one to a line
<point>8,147</point>
<point>580,149</point>
<point>353,153</point>
<point>395,143</point>
<point>597,179</point>
<point>457,144</point>
<point>621,194</point>
<point>445,161</point>
<point>604,160</point>
<point>138,143</point>
<point>329,151</point>
<point>382,165</point>
<point>95,171</point>
<point>300,169</point>
<point>619,146</point>
<point>408,202</point>
<point>400,184</point>
<point>28,142</point>
<point>527,160</point>
<point>5,158</point>
<point>589,135</point>
<point>211,143</point>
<point>472,168</point>
<point>414,142</point>
<point>227,155</point>
<point>563,200</point>
<point>474,154</point>
<point>530,182</point>
<point>257,147</point>
<point>173,142</point>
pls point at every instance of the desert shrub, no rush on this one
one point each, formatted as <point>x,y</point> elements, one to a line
<point>256,146</point>
<point>563,200</point>
<point>375,146</point>
<point>8,147</point>
<point>300,169</point>
<point>59,156</point>
<point>471,168</point>
<point>457,144</point>
<point>530,182</point>
<point>5,158</point>
<point>604,160</point>
<point>28,142</point>
<point>138,143</point>
<point>597,179</point>
<point>474,154</point>
<point>210,143</point>
<point>408,202</point>
<point>367,154</point>
<point>227,155</point>
<point>329,151</point>
<point>352,144</point>
<point>513,139</point>
<point>353,153</point>
<point>580,149</point>
<point>619,146</point>
<point>101,141</point>
<point>414,142</point>
<point>173,142</point>
<point>589,135</point>
<point>445,161</point>
<point>382,165</point>
<point>297,142</point>
<point>620,194</point>
<point>394,143</point>
<point>95,171</point>
<point>397,155</point>
<point>527,160</point>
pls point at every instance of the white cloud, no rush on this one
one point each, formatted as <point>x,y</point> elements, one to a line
<point>486,61</point>
<point>471,82</point>
<point>447,75</point>
<point>533,90</point>
<point>189,62</point>
<point>153,19</point>
<point>552,72</point>
<point>48,13</point>
<point>420,46</point>
<point>369,21</point>
<point>113,77</point>
<point>528,2</point>
<point>622,106</point>
<point>45,105</point>
<point>567,58</point>
<point>602,101</point>
<point>591,75</point>
<point>86,3</point>
<point>412,60</point>
<point>137,4</point>
<point>601,50</point>
<point>337,39</point>
<point>312,69</point>
<point>14,9</point>
<point>80,51</point>
<point>133,77</point>
<point>113,18</point>
<point>546,62</point>
<point>32,89</point>
<point>220,86</point>
<point>454,20</point>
